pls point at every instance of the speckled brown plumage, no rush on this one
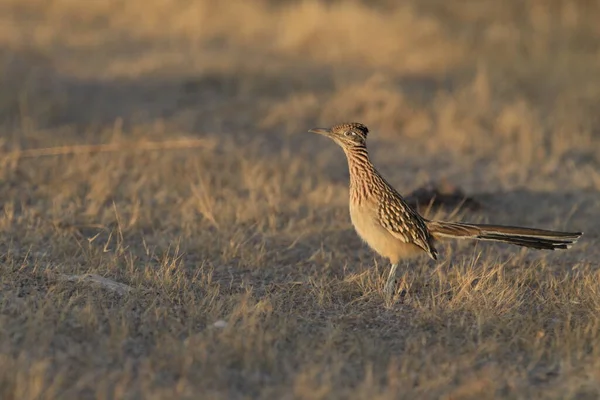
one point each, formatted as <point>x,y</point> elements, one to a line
<point>384,220</point>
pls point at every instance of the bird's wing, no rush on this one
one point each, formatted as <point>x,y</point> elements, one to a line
<point>405,223</point>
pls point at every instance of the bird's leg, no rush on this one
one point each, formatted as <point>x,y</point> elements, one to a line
<point>390,284</point>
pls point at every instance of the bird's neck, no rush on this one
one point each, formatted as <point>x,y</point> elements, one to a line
<point>362,173</point>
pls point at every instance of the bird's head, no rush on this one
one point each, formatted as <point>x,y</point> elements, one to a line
<point>348,135</point>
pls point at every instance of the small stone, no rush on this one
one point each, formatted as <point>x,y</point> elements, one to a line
<point>220,324</point>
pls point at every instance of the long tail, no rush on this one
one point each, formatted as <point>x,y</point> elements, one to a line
<point>528,237</point>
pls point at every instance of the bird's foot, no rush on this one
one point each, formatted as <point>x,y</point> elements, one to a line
<point>389,291</point>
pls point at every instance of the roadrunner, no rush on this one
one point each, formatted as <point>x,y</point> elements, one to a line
<point>384,220</point>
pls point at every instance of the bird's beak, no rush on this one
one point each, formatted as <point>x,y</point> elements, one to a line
<point>321,131</point>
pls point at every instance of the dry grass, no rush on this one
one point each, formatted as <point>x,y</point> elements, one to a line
<point>239,273</point>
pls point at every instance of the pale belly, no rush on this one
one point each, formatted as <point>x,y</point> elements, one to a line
<point>366,224</point>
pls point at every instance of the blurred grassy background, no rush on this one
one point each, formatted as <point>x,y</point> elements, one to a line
<point>500,98</point>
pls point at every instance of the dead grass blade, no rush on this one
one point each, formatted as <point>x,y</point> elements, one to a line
<point>114,147</point>
<point>109,284</point>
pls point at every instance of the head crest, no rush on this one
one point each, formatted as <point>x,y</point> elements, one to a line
<point>356,126</point>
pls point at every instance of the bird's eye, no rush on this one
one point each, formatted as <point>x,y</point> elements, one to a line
<point>350,133</point>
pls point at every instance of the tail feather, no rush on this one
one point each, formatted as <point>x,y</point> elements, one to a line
<point>527,237</point>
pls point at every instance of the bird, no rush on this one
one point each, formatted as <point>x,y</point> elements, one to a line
<point>393,229</point>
